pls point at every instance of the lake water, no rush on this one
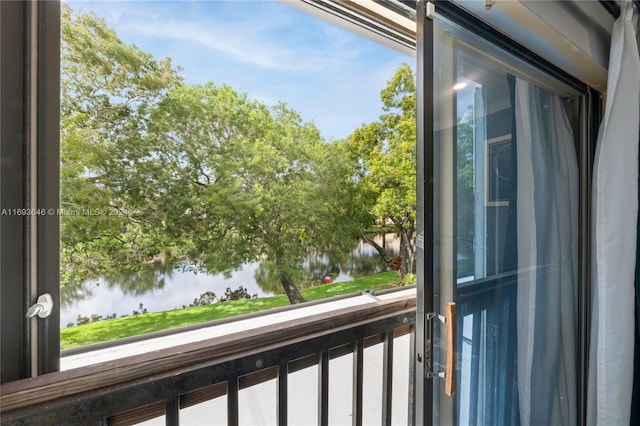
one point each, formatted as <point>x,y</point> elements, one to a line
<point>164,290</point>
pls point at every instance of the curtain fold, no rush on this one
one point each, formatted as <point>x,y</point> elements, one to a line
<point>547,248</point>
<point>615,215</point>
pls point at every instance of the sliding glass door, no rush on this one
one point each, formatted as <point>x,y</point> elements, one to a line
<point>502,320</point>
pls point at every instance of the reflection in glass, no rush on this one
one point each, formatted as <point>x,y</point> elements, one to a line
<point>506,234</point>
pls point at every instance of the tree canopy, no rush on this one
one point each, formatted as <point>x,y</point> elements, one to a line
<point>109,90</point>
<point>197,175</point>
<point>384,157</point>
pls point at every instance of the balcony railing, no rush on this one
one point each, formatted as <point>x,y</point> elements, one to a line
<point>165,381</point>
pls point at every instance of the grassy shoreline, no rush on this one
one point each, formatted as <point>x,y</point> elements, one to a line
<point>102,331</point>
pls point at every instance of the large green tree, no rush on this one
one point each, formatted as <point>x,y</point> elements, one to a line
<point>384,156</point>
<point>109,90</point>
<point>205,175</point>
<point>229,180</point>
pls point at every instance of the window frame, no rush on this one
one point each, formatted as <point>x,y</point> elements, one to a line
<point>30,186</point>
<point>31,143</point>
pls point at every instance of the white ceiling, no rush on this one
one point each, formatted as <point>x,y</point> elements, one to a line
<point>573,35</point>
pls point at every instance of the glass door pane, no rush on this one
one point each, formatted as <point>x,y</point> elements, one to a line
<point>506,235</point>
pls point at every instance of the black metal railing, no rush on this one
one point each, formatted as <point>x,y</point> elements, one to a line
<point>142,387</point>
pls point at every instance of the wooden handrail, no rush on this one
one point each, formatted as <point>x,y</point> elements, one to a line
<point>94,379</point>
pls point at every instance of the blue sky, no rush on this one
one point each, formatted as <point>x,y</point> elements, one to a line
<point>265,48</point>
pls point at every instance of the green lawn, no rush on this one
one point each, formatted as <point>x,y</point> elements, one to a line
<point>102,331</point>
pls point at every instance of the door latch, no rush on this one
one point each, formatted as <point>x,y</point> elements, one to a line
<point>42,307</point>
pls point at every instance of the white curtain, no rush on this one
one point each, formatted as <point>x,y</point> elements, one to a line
<point>547,232</point>
<point>615,210</point>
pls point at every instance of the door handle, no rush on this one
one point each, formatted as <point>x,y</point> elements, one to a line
<point>450,372</point>
<point>449,375</point>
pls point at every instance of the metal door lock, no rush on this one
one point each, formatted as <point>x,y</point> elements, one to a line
<point>449,319</point>
<point>42,307</point>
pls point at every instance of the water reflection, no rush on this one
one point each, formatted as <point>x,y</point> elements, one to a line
<point>164,286</point>
<point>139,283</point>
<point>361,262</point>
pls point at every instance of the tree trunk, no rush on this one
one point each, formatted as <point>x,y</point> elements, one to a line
<point>400,264</point>
<point>382,251</point>
<point>404,255</point>
<point>291,290</point>
<point>407,236</point>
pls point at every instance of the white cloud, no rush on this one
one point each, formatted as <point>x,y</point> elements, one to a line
<point>232,41</point>
<point>266,49</point>
<point>263,34</point>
